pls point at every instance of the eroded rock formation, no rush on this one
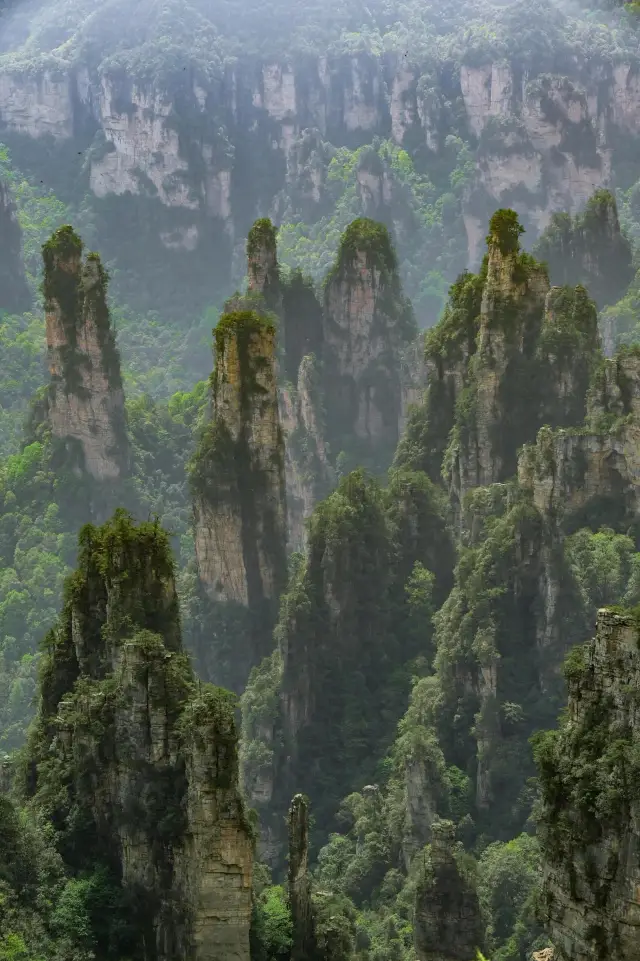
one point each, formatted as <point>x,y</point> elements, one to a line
<point>509,355</point>
<point>238,481</point>
<point>589,249</point>
<point>589,772</point>
<point>85,404</point>
<point>367,322</point>
<point>448,923</point>
<point>304,946</point>
<point>135,762</point>
<point>543,137</point>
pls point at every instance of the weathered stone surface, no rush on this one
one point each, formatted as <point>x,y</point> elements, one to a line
<point>545,138</point>
<point>590,821</point>
<point>85,403</point>
<point>161,805</point>
<point>367,322</point>
<point>309,476</point>
<point>238,478</point>
<point>304,946</point>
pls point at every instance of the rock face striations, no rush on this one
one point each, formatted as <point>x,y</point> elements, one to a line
<point>135,761</point>
<point>85,405</point>
<point>367,322</point>
<point>238,480</point>
<point>509,355</point>
<point>589,820</point>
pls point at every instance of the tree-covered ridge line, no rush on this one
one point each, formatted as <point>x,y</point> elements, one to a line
<point>210,36</point>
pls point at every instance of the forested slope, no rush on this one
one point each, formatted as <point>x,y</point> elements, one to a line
<point>385,540</point>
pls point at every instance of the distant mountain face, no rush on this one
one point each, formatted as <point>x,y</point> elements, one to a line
<point>206,116</point>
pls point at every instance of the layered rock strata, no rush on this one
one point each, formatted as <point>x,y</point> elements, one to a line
<point>135,761</point>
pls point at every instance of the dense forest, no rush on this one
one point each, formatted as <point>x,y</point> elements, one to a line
<point>319,496</point>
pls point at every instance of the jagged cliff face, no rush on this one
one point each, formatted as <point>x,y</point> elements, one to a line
<point>85,404</point>
<point>593,471</point>
<point>136,762</point>
<point>589,818</point>
<point>367,322</point>
<point>238,479</point>
<point>543,136</point>
<point>509,355</point>
<point>309,475</point>
<point>14,292</point>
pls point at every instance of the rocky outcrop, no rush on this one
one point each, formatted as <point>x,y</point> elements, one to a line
<point>85,403</point>
<point>367,322</point>
<point>589,818</point>
<point>262,265</point>
<point>542,138</point>
<point>135,761</point>
<point>447,920</point>
<point>545,137</point>
<point>509,355</point>
<point>237,476</point>
<point>335,626</point>
<point>574,473</point>
<point>14,292</point>
<point>304,944</point>
<point>589,249</point>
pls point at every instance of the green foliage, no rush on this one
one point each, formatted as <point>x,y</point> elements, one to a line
<point>508,882</point>
<point>505,231</point>
<point>262,236</point>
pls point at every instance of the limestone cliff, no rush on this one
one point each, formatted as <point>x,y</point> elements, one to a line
<point>549,137</point>
<point>448,924</point>
<point>237,477</point>
<point>588,822</point>
<point>509,355</point>
<point>135,762</point>
<point>592,473</point>
<point>14,292</point>
<point>85,405</point>
<point>367,322</point>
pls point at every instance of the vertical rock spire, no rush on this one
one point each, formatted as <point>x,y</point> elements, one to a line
<point>135,762</point>
<point>367,321</point>
<point>86,398</point>
<point>237,476</point>
<point>303,947</point>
